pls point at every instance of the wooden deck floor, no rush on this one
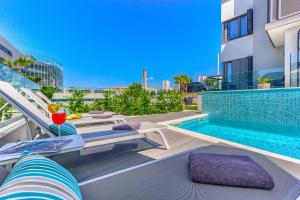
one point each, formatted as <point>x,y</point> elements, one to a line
<point>100,160</point>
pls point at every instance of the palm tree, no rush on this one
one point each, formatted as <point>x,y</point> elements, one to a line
<point>183,80</point>
<point>23,61</point>
<point>8,63</point>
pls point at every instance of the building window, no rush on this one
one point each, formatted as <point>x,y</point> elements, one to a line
<point>238,27</point>
<point>6,50</point>
<point>238,74</point>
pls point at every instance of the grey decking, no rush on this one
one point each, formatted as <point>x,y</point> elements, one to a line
<point>110,158</point>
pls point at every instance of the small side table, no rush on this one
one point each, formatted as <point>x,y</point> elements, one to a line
<point>77,143</point>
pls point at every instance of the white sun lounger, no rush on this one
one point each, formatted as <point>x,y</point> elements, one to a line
<point>32,113</point>
<point>42,104</point>
<point>43,97</point>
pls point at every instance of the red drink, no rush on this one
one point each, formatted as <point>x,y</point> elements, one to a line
<point>59,118</point>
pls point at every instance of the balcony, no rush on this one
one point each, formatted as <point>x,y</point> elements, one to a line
<point>282,15</point>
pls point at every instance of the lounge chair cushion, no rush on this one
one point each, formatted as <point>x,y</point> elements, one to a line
<point>37,177</point>
<point>65,129</point>
<point>101,116</point>
<point>3,174</point>
<point>96,112</point>
<point>230,170</point>
<point>126,126</point>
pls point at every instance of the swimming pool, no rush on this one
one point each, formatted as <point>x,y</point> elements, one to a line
<point>286,142</point>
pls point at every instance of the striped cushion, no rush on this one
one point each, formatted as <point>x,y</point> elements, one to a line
<point>65,129</point>
<point>37,177</point>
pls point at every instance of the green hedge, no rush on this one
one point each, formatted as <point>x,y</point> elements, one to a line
<point>191,107</point>
<point>135,100</point>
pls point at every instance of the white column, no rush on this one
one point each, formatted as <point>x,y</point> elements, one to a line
<point>290,50</point>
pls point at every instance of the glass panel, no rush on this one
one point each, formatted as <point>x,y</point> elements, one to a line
<point>233,29</point>
<point>244,26</point>
<point>229,68</point>
<point>16,79</point>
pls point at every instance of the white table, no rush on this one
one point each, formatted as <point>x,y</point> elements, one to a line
<point>77,143</point>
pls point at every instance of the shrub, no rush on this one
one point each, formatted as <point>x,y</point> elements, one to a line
<point>263,80</point>
<point>48,91</point>
<point>191,107</point>
<point>137,101</point>
<point>97,105</point>
<point>76,102</point>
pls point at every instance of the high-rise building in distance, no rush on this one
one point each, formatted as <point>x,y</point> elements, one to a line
<point>166,85</point>
<point>145,78</point>
<point>201,78</point>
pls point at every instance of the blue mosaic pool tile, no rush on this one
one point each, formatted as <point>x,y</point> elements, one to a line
<point>269,110</point>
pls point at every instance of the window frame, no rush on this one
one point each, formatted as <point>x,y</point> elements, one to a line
<point>225,25</point>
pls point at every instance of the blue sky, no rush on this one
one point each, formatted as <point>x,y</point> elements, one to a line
<point>104,43</point>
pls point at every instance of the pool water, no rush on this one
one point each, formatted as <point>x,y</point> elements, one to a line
<point>286,143</point>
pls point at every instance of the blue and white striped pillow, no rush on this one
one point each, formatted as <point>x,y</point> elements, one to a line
<point>65,129</point>
<point>37,177</point>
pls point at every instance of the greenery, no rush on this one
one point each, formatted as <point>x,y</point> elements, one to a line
<point>191,107</point>
<point>137,101</point>
<point>263,80</point>
<point>76,102</point>
<point>7,110</point>
<point>183,80</point>
<point>19,63</point>
<point>212,83</point>
<point>48,91</point>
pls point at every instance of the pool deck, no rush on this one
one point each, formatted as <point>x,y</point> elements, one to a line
<point>101,160</point>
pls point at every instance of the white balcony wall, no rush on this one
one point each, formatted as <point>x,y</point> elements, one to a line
<point>264,54</point>
<point>238,48</point>
<point>233,8</point>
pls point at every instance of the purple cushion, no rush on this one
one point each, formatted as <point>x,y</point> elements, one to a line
<point>96,112</point>
<point>126,126</point>
<point>230,170</point>
<point>99,116</point>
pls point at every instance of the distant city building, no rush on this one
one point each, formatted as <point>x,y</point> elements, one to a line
<point>119,90</point>
<point>92,94</point>
<point>166,85</point>
<point>202,78</point>
<point>47,68</point>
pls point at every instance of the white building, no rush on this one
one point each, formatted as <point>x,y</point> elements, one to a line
<point>8,51</point>
<point>201,78</point>
<point>260,38</point>
<point>45,67</point>
<point>166,85</point>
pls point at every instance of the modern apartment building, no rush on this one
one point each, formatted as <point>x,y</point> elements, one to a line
<point>50,70</point>
<point>47,68</point>
<point>8,51</point>
<point>260,39</point>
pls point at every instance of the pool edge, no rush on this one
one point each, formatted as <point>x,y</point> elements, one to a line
<point>218,140</point>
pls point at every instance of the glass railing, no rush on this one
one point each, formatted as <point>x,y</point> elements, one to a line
<point>295,69</point>
<point>245,80</point>
<point>15,79</point>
